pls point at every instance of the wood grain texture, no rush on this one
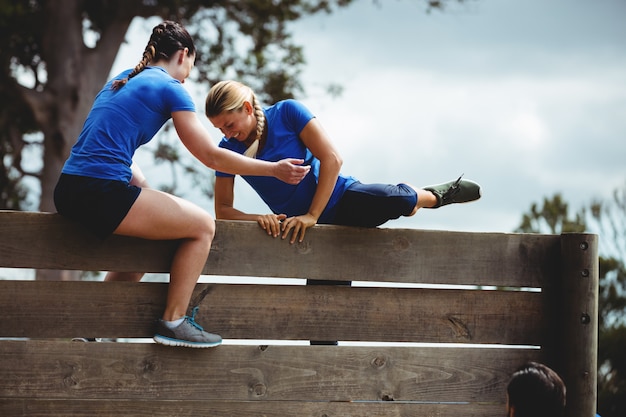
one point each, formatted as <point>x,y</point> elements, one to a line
<point>127,371</point>
<point>45,240</point>
<point>578,315</point>
<point>216,408</point>
<point>46,374</point>
<point>96,309</point>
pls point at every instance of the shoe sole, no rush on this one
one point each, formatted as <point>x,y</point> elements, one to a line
<point>162,340</point>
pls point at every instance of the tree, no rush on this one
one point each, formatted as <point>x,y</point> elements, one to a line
<point>553,215</point>
<point>50,73</point>
<point>608,220</point>
<point>56,55</point>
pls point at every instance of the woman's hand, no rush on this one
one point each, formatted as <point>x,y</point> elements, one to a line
<point>291,170</point>
<point>298,224</point>
<point>271,223</point>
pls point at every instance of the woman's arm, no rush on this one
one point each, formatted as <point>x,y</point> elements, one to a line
<point>224,198</point>
<point>196,138</point>
<point>317,141</point>
<point>224,208</point>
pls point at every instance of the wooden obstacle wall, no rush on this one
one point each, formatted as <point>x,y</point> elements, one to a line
<point>459,312</point>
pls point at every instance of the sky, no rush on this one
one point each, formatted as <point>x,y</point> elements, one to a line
<point>526,98</point>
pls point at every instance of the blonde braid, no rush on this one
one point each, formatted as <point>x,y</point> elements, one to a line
<point>260,126</point>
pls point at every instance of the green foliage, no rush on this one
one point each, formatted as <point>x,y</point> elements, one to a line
<point>552,217</point>
<point>612,309</point>
<point>247,40</point>
<point>612,372</point>
<point>612,338</point>
<point>608,219</point>
<point>54,58</point>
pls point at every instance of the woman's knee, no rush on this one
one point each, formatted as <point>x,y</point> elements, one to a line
<point>205,226</point>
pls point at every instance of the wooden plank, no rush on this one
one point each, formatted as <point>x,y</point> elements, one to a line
<point>158,408</point>
<point>138,371</point>
<point>47,241</point>
<point>41,309</point>
<point>576,361</point>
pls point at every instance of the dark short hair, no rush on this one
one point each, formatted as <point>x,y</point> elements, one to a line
<point>535,390</point>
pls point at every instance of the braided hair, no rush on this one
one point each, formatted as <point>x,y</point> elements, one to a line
<point>230,96</point>
<point>167,38</point>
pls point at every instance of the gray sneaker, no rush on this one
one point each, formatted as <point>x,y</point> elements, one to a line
<point>187,334</point>
<point>459,191</point>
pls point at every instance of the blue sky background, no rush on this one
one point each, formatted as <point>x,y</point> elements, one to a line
<point>526,98</point>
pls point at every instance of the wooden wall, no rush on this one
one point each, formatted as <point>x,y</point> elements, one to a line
<point>488,301</point>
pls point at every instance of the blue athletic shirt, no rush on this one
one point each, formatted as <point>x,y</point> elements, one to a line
<point>284,122</point>
<point>122,120</point>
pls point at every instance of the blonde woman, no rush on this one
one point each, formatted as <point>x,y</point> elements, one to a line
<point>288,128</point>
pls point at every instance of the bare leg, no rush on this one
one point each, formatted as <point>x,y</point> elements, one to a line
<point>139,180</point>
<point>113,276</point>
<point>158,215</point>
<point>424,199</point>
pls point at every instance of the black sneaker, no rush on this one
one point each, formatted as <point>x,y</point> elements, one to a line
<point>459,191</point>
<point>187,334</point>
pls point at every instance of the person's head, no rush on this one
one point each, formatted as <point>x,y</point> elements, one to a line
<point>169,40</point>
<point>232,107</point>
<point>535,390</point>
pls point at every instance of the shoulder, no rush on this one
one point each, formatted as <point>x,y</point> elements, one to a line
<point>122,74</point>
<point>290,109</point>
<point>168,89</point>
<point>158,77</point>
<point>290,105</point>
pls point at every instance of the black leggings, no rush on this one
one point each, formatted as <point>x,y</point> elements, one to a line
<point>370,205</point>
<point>98,205</point>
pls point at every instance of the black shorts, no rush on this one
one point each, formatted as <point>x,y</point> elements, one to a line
<point>98,205</point>
<point>370,205</point>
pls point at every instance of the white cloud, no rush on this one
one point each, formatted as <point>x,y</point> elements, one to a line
<point>526,98</point>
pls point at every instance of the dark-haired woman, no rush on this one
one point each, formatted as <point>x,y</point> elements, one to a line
<point>101,188</point>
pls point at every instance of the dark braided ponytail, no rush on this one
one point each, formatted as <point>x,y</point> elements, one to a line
<point>167,38</point>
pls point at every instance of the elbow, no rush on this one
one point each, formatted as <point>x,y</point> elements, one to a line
<point>337,161</point>
<point>211,161</point>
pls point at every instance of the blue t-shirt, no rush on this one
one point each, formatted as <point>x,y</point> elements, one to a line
<point>122,120</point>
<point>284,122</point>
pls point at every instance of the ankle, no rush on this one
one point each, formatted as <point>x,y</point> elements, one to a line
<point>173,323</point>
<point>425,199</point>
